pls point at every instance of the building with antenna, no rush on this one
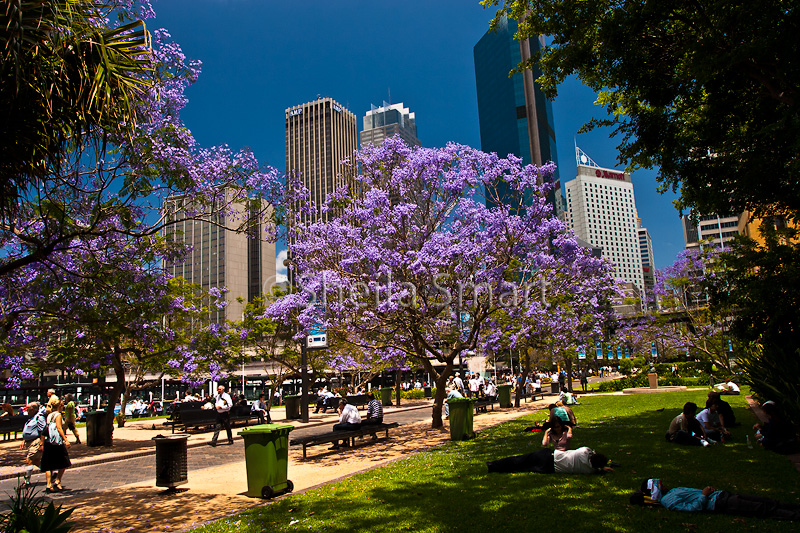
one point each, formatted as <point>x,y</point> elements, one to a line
<point>601,209</point>
<point>386,121</point>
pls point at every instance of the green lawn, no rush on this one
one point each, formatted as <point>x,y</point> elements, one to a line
<point>449,489</point>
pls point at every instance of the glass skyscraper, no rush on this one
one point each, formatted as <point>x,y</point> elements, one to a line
<point>515,117</point>
<point>386,121</point>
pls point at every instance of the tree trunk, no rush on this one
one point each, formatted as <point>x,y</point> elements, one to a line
<point>441,390</point>
<point>568,364</point>
<point>397,379</point>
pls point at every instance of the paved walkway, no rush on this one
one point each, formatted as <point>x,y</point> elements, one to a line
<point>114,490</point>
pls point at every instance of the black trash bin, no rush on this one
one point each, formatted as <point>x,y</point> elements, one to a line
<point>555,388</point>
<point>95,436</point>
<point>292,404</point>
<point>171,460</point>
<point>426,391</point>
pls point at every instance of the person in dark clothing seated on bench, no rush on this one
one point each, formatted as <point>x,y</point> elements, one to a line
<point>349,420</point>
<point>712,500</point>
<point>374,411</point>
<point>581,461</point>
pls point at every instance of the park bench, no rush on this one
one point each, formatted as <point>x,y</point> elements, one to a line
<point>197,418</point>
<point>349,436</point>
<point>357,399</point>
<point>482,403</point>
<point>12,425</point>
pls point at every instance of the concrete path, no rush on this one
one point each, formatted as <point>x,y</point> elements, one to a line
<point>114,490</point>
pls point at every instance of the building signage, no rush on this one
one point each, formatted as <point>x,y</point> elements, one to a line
<point>609,174</point>
<point>336,108</point>
<point>295,112</point>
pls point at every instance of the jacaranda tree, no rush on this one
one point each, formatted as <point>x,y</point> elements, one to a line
<point>108,198</point>
<point>412,264</point>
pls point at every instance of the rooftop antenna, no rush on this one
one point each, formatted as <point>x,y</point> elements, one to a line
<point>582,159</point>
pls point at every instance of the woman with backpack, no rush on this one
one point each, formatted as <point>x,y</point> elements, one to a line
<point>55,455</point>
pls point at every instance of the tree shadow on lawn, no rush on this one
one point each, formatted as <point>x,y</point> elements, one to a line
<point>450,489</point>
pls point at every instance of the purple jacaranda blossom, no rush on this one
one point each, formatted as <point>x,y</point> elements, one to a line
<point>419,257</point>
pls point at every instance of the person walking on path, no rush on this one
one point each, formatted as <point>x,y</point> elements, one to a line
<point>223,405</point>
<point>31,438</point>
<point>55,454</point>
<point>69,414</point>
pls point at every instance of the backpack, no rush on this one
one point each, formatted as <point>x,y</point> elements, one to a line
<point>34,427</point>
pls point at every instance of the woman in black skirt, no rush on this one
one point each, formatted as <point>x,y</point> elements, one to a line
<point>55,457</point>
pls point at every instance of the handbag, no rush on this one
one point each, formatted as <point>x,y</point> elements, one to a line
<point>53,436</point>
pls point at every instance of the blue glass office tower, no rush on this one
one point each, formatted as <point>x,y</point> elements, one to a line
<point>515,117</point>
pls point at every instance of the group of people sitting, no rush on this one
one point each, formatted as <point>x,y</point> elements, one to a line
<point>707,427</point>
<point>350,419</point>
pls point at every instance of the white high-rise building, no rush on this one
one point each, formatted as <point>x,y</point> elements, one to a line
<point>602,211</point>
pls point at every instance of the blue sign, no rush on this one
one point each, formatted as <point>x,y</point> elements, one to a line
<point>619,352</point>
<point>627,355</point>
<point>599,351</point>
<point>611,352</point>
<point>653,349</point>
<point>581,352</point>
<point>730,346</point>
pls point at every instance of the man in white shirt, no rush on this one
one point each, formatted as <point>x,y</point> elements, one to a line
<point>457,381</point>
<point>547,461</point>
<point>490,391</point>
<point>474,386</point>
<point>222,404</point>
<point>349,419</point>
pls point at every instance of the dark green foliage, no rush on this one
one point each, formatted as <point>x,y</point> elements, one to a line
<point>449,489</point>
<point>29,514</point>
<point>707,91</point>
<point>762,282</point>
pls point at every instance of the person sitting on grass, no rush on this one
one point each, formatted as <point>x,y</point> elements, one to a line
<point>581,461</point>
<point>349,420</point>
<point>728,388</point>
<point>712,424</point>
<point>712,500</point>
<point>563,412</point>
<point>777,434</point>
<point>558,434</point>
<point>724,409</point>
<point>685,429</point>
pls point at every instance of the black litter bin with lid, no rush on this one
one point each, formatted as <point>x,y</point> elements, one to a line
<point>95,436</point>
<point>292,404</point>
<point>171,460</point>
<point>426,391</point>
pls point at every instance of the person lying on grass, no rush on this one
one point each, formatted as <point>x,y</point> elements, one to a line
<point>652,492</point>
<point>581,461</point>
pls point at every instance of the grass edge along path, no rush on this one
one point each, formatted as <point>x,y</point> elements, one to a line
<point>449,488</point>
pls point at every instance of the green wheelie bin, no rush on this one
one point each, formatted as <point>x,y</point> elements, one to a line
<point>266,453</point>
<point>504,395</point>
<point>386,396</point>
<point>461,410</point>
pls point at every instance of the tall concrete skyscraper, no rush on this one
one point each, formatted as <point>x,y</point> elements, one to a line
<point>515,117</point>
<point>602,211</point>
<point>242,263</point>
<point>319,136</point>
<point>387,121</point>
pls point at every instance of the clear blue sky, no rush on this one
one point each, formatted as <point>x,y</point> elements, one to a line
<point>262,56</point>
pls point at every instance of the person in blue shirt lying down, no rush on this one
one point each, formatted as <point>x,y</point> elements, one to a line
<point>711,500</point>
